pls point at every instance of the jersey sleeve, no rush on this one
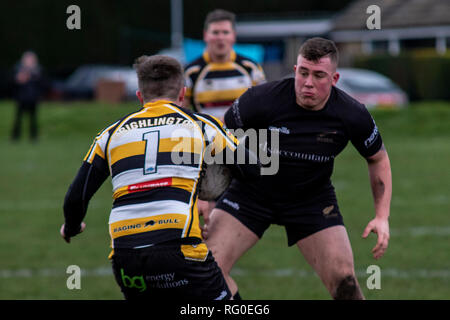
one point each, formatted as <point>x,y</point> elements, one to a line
<point>245,112</point>
<point>96,155</point>
<point>91,175</point>
<point>256,72</point>
<point>364,133</point>
<point>216,136</point>
<point>258,76</point>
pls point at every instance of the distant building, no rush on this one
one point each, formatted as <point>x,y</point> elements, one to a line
<point>405,25</point>
<point>281,39</point>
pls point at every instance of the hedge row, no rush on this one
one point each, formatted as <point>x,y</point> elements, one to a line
<point>423,75</point>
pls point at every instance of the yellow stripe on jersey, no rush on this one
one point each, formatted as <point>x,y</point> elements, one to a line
<point>127,150</point>
<point>195,224</point>
<point>224,66</point>
<point>179,144</point>
<point>95,147</point>
<point>208,58</point>
<point>155,109</point>
<point>88,156</point>
<point>191,70</point>
<point>133,226</point>
<point>97,151</point>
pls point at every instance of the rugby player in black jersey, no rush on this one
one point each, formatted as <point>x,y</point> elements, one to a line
<point>315,121</point>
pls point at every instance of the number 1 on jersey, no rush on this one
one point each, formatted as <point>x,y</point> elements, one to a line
<point>151,151</point>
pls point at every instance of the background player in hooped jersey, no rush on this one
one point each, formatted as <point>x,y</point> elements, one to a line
<point>220,75</point>
<point>154,226</point>
<point>315,121</point>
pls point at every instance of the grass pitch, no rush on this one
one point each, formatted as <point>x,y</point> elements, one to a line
<point>35,178</point>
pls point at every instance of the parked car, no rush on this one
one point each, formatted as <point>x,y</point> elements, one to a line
<point>82,83</point>
<point>371,88</point>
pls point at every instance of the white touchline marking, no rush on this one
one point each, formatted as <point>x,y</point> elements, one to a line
<point>385,272</point>
<point>106,271</point>
<point>53,272</point>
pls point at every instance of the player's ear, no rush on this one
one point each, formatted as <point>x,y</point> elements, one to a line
<point>181,95</point>
<point>295,68</point>
<point>139,96</point>
<point>335,78</point>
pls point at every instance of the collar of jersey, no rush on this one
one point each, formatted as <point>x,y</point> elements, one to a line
<point>208,58</point>
<point>157,103</point>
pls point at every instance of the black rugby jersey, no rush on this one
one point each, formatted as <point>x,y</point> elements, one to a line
<point>309,141</point>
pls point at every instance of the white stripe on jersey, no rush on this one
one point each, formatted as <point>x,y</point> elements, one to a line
<point>165,132</point>
<point>149,209</point>
<point>221,84</point>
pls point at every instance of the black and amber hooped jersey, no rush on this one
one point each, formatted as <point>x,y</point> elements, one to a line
<point>212,87</point>
<point>155,157</point>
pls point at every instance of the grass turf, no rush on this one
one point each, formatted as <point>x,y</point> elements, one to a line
<point>35,178</point>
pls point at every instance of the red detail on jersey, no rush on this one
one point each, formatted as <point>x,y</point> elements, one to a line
<point>148,185</point>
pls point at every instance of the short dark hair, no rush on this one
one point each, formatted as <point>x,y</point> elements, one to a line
<point>316,48</point>
<point>159,76</point>
<point>220,15</point>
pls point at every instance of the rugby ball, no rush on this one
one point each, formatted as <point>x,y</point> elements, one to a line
<point>215,178</point>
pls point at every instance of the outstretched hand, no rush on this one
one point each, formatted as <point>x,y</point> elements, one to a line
<point>380,227</point>
<point>67,238</point>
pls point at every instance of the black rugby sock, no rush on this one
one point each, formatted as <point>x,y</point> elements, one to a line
<point>237,296</point>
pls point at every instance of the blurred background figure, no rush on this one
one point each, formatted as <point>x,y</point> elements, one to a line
<point>220,75</point>
<point>28,88</point>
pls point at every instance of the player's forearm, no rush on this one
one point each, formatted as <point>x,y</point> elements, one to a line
<point>75,203</point>
<point>381,184</point>
<point>83,187</point>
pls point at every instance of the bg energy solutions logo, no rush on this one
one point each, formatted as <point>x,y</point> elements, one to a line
<point>133,282</point>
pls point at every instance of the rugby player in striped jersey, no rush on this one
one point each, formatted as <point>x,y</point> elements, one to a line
<point>158,251</point>
<point>220,75</point>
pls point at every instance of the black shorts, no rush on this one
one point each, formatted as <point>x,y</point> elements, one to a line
<point>300,218</point>
<point>169,271</point>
